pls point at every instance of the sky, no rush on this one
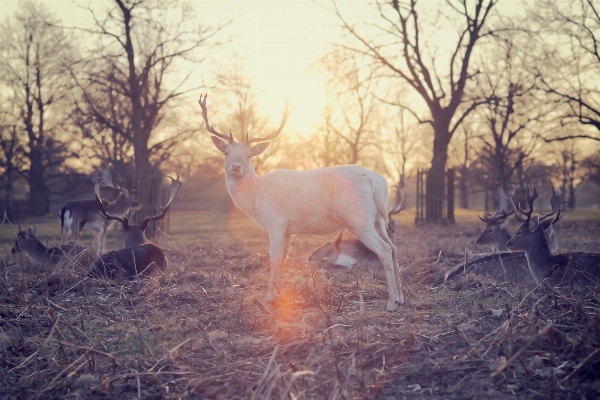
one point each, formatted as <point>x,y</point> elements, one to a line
<point>280,41</point>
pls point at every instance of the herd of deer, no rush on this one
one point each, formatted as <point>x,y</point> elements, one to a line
<point>138,256</point>
<point>323,201</point>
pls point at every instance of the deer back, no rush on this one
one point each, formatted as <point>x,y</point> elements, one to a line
<point>130,262</point>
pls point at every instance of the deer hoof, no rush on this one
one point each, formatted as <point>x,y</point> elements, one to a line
<point>391,305</point>
<point>400,299</point>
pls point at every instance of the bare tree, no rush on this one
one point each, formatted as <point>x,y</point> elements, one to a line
<point>404,50</point>
<point>354,116</point>
<point>571,68</point>
<point>140,64</point>
<point>33,65</point>
<point>573,168</point>
<point>464,152</point>
<point>11,162</point>
<point>511,111</point>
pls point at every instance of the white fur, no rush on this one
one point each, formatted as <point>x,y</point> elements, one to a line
<point>321,201</point>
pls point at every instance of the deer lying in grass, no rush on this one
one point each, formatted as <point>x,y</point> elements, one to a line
<point>82,215</point>
<point>504,265</point>
<point>321,201</point>
<point>66,254</point>
<point>574,269</point>
<point>139,256</point>
<point>350,252</point>
<point>495,232</point>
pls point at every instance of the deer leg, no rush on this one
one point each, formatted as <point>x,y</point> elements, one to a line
<point>286,248</point>
<point>383,234</point>
<point>277,240</point>
<point>374,242</point>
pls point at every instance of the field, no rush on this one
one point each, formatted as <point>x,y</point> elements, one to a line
<point>202,330</point>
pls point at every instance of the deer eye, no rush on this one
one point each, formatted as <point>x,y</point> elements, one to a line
<point>518,233</point>
<point>249,157</point>
<point>226,153</point>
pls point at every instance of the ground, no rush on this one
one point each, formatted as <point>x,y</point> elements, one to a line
<point>202,330</point>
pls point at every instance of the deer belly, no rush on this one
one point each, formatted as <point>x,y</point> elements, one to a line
<point>313,225</point>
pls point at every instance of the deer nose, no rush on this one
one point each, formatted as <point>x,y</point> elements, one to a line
<point>236,167</point>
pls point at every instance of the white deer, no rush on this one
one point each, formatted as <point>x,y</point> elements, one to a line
<point>321,201</point>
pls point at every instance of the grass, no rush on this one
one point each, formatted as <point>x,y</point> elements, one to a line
<point>202,330</point>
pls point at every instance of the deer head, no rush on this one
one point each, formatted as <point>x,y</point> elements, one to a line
<point>25,240</point>
<point>127,196</point>
<point>528,237</point>
<point>135,234</point>
<point>495,228</point>
<point>238,155</point>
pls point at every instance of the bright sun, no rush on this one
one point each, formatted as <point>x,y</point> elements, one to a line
<point>281,41</point>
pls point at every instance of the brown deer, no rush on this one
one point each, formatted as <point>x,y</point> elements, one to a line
<point>67,254</point>
<point>139,256</point>
<point>133,234</point>
<point>351,252</point>
<point>82,215</point>
<point>504,265</point>
<point>574,269</point>
<point>318,202</point>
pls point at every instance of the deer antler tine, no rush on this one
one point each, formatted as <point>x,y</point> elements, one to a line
<point>175,186</point>
<point>517,216</point>
<point>556,200</point>
<point>286,114</point>
<point>205,116</point>
<point>400,191</point>
<point>103,211</point>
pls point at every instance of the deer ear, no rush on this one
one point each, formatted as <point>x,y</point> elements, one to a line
<point>144,225</point>
<point>259,148</point>
<point>533,223</point>
<point>221,145</point>
<point>31,231</point>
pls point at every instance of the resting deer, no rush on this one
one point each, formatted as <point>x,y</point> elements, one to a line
<point>138,256</point>
<point>495,232</point>
<point>503,266</point>
<point>350,252</point>
<point>321,201</point>
<point>82,215</point>
<point>69,253</point>
<point>573,269</point>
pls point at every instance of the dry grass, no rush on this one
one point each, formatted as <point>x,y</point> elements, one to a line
<point>202,330</point>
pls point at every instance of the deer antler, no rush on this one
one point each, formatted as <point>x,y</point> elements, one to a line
<point>556,200</point>
<point>103,211</point>
<point>286,114</point>
<point>530,199</point>
<point>208,126</point>
<point>502,210</point>
<point>175,186</point>
<point>400,191</point>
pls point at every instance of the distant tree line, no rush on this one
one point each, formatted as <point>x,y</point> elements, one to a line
<point>508,99</point>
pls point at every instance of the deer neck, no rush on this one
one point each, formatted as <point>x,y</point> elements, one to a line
<point>504,237</point>
<point>118,206</point>
<point>243,190</point>
<point>538,254</point>
<point>36,251</point>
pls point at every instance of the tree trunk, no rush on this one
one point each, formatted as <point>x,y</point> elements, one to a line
<point>572,202</point>
<point>437,174</point>
<point>39,195</point>
<point>463,187</point>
